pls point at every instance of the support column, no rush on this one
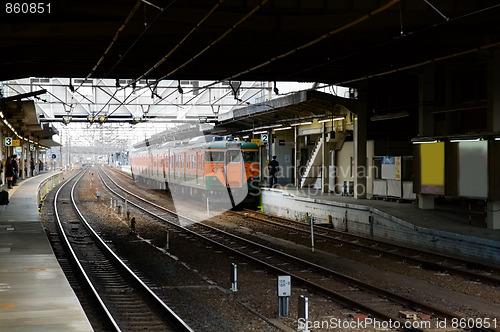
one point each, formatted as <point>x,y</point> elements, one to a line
<point>426,126</point>
<point>297,155</point>
<point>425,202</point>
<point>22,166</point>
<point>360,129</point>
<point>493,204</point>
<point>325,163</point>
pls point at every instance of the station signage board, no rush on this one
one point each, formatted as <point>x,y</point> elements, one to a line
<point>264,138</point>
<point>257,141</point>
<point>284,286</point>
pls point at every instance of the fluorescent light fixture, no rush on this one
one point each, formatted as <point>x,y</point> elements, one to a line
<point>333,119</point>
<point>423,142</point>
<point>497,138</point>
<point>260,132</point>
<point>301,123</point>
<point>464,140</point>
<point>245,137</point>
<point>268,127</point>
<point>284,128</point>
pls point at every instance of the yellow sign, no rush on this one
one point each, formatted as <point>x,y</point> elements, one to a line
<point>16,142</point>
<point>257,141</point>
<point>432,168</point>
<point>397,167</point>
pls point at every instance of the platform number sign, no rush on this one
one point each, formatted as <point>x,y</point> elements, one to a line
<point>8,141</point>
<point>264,138</point>
<point>32,147</point>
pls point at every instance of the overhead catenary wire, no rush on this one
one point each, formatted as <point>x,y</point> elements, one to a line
<point>115,38</point>
<point>179,44</point>
<point>419,64</point>
<point>162,10</point>
<point>245,18</point>
<point>317,40</point>
<point>161,61</point>
<point>133,44</point>
<point>225,34</point>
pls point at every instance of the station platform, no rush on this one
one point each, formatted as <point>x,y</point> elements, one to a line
<point>447,229</point>
<point>34,292</point>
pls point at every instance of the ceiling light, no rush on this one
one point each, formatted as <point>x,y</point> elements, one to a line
<point>332,119</point>
<point>425,141</point>
<point>284,128</point>
<point>301,123</point>
<point>456,140</point>
<point>260,132</point>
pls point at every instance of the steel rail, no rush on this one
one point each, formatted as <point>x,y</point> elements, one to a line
<point>173,318</point>
<point>392,254</point>
<point>373,289</point>
<point>67,245</point>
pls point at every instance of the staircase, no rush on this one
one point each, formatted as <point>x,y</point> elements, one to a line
<point>310,176</point>
<point>340,139</point>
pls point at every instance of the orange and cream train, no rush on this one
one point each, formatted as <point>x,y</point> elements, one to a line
<point>215,167</point>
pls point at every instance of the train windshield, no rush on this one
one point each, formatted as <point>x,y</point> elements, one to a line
<point>234,156</point>
<point>251,156</point>
<point>214,156</point>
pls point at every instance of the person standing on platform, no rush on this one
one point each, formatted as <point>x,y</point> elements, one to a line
<point>9,172</point>
<point>32,167</point>
<point>273,168</point>
<point>15,167</point>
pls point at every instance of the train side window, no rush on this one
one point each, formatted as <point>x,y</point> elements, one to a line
<point>214,156</point>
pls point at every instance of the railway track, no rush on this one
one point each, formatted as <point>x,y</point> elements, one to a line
<point>125,301</point>
<point>447,265</point>
<point>370,300</point>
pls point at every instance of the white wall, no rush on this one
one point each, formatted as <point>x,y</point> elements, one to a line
<point>285,156</point>
<point>344,164</point>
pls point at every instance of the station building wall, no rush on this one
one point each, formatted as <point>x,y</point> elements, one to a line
<point>345,165</point>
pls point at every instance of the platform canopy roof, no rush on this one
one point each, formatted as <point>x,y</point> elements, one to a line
<point>334,42</point>
<point>284,111</point>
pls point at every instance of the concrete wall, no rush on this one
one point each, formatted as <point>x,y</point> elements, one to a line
<point>384,227</point>
<point>344,159</point>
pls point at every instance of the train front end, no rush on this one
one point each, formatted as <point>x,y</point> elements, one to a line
<point>231,172</point>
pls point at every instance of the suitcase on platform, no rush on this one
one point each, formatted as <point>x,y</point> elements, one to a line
<point>4,197</point>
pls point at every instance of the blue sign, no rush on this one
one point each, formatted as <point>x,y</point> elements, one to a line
<point>388,161</point>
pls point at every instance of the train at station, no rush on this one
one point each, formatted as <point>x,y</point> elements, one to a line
<point>218,168</point>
